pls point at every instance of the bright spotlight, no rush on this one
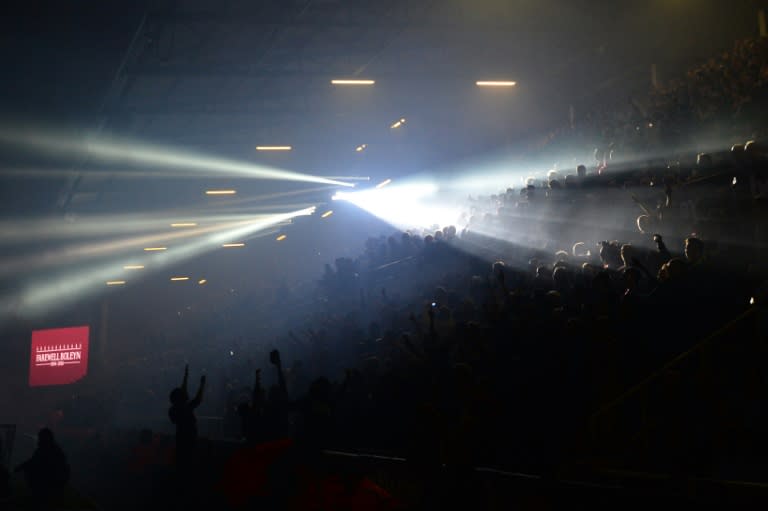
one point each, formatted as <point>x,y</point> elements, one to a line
<point>398,123</point>
<point>281,237</point>
<point>352,82</point>
<point>361,148</point>
<point>202,281</point>
<point>273,148</point>
<point>495,83</point>
<point>403,205</point>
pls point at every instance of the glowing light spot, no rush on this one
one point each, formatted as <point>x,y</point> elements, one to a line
<point>495,83</point>
<point>179,279</point>
<point>202,281</point>
<point>133,267</point>
<point>352,82</point>
<point>155,249</point>
<point>273,148</point>
<point>281,237</point>
<point>184,224</point>
<point>115,282</point>
<point>220,192</point>
<point>361,148</point>
<point>327,214</point>
<point>233,245</point>
<point>398,123</point>
<point>383,183</point>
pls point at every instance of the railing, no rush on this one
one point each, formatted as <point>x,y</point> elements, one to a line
<point>693,414</point>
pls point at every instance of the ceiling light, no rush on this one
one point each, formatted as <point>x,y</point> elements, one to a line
<point>361,148</point>
<point>178,279</point>
<point>184,224</point>
<point>353,82</point>
<point>398,123</point>
<point>281,237</point>
<point>492,83</point>
<point>202,281</point>
<point>115,282</point>
<point>154,249</point>
<point>383,183</point>
<point>327,214</point>
<point>220,192</point>
<point>273,148</point>
<point>133,267</point>
<point>233,245</point>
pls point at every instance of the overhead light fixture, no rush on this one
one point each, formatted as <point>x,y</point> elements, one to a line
<point>155,249</point>
<point>361,148</point>
<point>281,237</point>
<point>115,282</point>
<point>273,148</point>
<point>179,279</point>
<point>398,123</point>
<point>353,82</point>
<point>202,281</point>
<point>233,245</point>
<point>327,214</point>
<point>495,83</point>
<point>184,224</point>
<point>383,183</point>
<point>133,267</point>
<point>220,192</point>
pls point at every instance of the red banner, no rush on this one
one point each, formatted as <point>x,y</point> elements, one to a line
<point>58,356</point>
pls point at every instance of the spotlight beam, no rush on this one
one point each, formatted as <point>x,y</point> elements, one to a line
<point>144,154</point>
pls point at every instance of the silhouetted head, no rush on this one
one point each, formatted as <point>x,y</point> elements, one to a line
<point>45,438</point>
<point>178,396</point>
<point>581,171</point>
<point>694,250</point>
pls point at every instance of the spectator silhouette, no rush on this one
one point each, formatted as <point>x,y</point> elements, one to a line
<point>182,414</point>
<point>47,471</point>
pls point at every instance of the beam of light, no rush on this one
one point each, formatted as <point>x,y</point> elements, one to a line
<point>398,123</point>
<point>281,237</point>
<point>115,282</point>
<point>155,249</point>
<point>495,83</point>
<point>405,205</point>
<point>327,214</point>
<point>383,183</point>
<point>350,178</point>
<point>100,149</point>
<point>41,296</point>
<point>184,224</point>
<point>273,148</point>
<point>233,245</point>
<point>179,279</point>
<point>202,281</point>
<point>352,82</point>
<point>133,267</point>
<point>361,148</point>
<point>220,192</point>
<point>270,196</point>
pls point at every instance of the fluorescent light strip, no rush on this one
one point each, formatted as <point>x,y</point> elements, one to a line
<point>184,224</point>
<point>133,267</point>
<point>115,282</point>
<point>220,192</point>
<point>353,82</point>
<point>179,279</point>
<point>492,83</point>
<point>273,148</point>
<point>155,249</point>
<point>233,245</point>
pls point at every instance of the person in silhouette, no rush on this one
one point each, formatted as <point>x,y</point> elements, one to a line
<point>47,471</point>
<point>182,414</point>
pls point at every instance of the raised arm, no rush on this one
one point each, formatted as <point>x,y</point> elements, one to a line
<point>199,396</point>
<point>186,378</point>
